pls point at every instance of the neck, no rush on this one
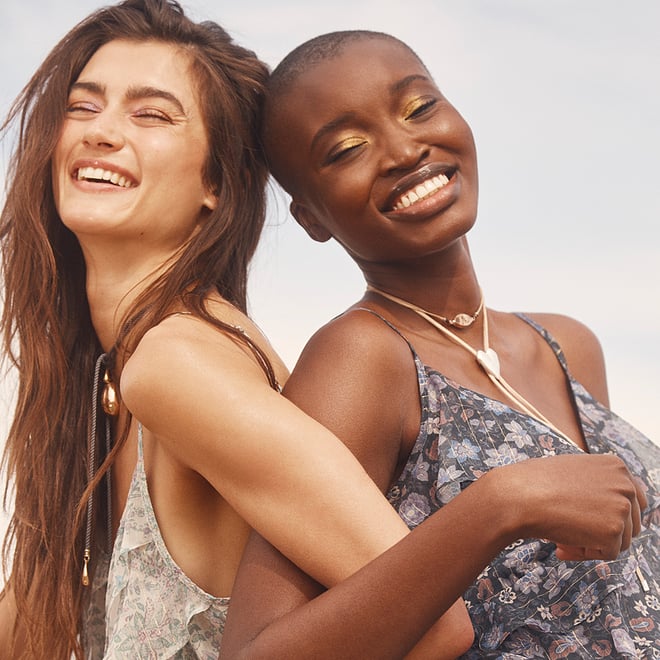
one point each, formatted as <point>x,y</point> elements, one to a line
<point>442,286</point>
<point>443,283</point>
<point>113,284</point>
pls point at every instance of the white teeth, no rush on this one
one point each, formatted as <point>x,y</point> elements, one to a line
<point>99,174</point>
<point>421,191</point>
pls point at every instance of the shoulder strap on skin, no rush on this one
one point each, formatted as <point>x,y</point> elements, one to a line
<point>388,323</point>
<point>548,338</point>
<point>419,365</point>
<point>259,355</point>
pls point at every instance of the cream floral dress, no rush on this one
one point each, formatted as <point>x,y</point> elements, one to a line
<point>143,606</point>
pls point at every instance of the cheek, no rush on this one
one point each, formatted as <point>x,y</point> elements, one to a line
<point>58,168</point>
<point>350,191</point>
<point>179,162</point>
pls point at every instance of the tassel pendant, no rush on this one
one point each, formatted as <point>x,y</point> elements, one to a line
<point>85,572</point>
<point>642,580</point>
<point>109,398</point>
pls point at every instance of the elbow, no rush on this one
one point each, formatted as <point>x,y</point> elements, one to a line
<point>464,638</point>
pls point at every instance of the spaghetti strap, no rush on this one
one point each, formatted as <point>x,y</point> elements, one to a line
<point>388,323</point>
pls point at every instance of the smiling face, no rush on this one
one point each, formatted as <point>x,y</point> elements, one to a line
<point>130,156</point>
<point>373,154</point>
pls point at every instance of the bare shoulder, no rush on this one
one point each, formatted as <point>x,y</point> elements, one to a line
<point>183,354</point>
<point>360,337</point>
<point>356,376</point>
<point>582,349</point>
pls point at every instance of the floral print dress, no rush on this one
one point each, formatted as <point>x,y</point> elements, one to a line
<point>143,606</point>
<point>527,603</point>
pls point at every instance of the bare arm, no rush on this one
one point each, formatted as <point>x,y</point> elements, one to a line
<point>205,398</point>
<point>385,608</point>
<point>358,378</point>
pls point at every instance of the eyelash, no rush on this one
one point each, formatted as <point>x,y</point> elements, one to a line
<point>81,107</point>
<point>152,113</point>
<point>144,113</point>
<point>421,108</point>
<point>340,153</point>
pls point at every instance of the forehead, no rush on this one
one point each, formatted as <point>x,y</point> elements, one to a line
<point>367,65</point>
<point>121,64</point>
<point>356,86</point>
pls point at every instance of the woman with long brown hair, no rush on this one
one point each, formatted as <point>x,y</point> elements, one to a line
<point>135,201</point>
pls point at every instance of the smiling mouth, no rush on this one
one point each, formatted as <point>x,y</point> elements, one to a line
<point>99,175</point>
<point>421,191</point>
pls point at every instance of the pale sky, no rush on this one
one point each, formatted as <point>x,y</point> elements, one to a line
<point>563,97</point>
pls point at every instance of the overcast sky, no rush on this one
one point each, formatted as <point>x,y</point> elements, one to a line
<point>563,97</point>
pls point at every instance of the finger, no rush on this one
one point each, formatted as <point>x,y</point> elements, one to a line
<point>602,553</point>
<point>638,504</point>
<point>642,501</point>
<point>628,526</point>
<point>570,552</point>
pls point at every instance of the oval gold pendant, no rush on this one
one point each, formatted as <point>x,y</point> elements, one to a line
<point>109,398</point>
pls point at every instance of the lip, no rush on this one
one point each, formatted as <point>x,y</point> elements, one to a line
<point>103,165</point>
<point>435,202</point>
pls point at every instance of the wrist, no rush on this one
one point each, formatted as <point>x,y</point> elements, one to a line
<point>507,508</point>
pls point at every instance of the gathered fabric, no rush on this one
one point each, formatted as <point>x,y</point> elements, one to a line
<point>142,605</point>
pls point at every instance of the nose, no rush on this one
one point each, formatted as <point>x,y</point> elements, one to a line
<point>402,150</point>
<point>103,132</point>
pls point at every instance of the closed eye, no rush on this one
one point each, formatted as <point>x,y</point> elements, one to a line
<point>420,108</point>
<point>152,115</point>
<point>344,149</point>
<point>82,107</point>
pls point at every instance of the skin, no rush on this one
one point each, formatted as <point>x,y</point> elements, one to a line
<point>213,427</point>
<point>366,136</point>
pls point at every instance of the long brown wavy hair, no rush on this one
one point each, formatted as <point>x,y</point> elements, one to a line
<point>47,333</point>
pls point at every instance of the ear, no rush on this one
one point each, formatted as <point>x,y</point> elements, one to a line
<point>308,221</point>
<point>210,201</point>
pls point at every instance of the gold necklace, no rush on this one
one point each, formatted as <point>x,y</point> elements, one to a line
<point>487,358</point>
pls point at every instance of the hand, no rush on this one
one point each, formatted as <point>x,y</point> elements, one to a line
<point>589,505</point>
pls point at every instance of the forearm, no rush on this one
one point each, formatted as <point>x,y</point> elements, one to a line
<point>384,609</point>
<point>449,637</point>
<point>387,606</point>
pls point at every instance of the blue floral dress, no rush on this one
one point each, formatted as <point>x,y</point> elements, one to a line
<point>527,603</point>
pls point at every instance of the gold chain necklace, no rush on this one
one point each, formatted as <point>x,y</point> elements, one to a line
<point>487,358</point>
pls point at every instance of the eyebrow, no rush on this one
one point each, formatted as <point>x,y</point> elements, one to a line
<point>133,93</point>
<point>348,117</point>
<point>408,80</point>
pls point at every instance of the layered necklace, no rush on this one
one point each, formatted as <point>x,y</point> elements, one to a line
<point>487,358</point>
